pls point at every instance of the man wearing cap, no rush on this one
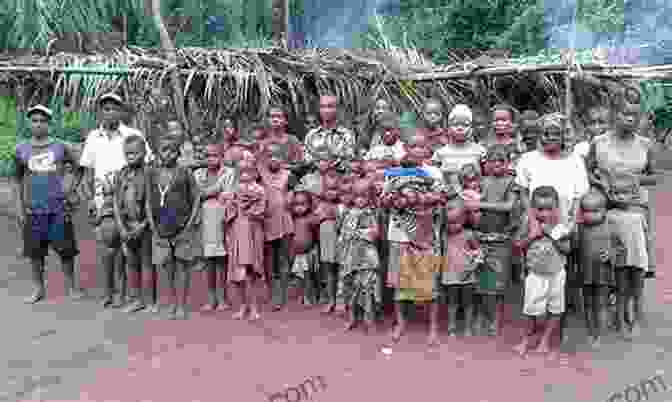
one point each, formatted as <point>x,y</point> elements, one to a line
<point>42,209</point>
<point>103,157</point>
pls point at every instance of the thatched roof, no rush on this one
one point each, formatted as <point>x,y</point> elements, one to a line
<point>246,81</point>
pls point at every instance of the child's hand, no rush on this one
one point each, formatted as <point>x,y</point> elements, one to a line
<point>124,234</point>
<point>604,255</point>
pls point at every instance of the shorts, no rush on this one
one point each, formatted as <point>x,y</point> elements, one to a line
<point>184,248</point>
<point>43,230</point>
<point>629,278</point>
<point>544,293</point>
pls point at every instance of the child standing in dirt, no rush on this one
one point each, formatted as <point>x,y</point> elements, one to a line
<point>172,207</point>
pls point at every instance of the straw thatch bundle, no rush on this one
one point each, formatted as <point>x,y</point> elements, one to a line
<point>245,82</point>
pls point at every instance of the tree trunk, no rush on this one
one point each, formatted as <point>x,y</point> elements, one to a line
<point>168,46</point>
<point>280,21</point>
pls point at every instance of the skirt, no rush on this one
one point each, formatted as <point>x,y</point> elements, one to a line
<point>360,288</point>
<point>414,277</point>
<point>212,231</point>
<point>328,237</point>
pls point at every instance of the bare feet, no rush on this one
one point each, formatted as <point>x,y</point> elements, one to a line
<point>208,307</point>
<point>182,313</point>
<point>521,348</point>
<point>223,306</point>
<point>350,325</point>
<point>119,301</point>
<point>625,332</point>
<point>135,306</point>
<point>241,313</point>
<point>397,332</point>
<point>543,347</point>
<point>76,294</point>
<point>173,312</point>
<point>107,301</point>
<point>341,308</point>
<point>433,338</point>
<point>329,308</point>
<point>369,326</point>
<point>553,355</point>
<point>36,296</point>
<point>154,308</point>
<point>254,314</point>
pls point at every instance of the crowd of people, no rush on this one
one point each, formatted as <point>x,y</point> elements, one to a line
<point>435,214</point>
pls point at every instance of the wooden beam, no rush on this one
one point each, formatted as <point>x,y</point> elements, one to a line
<point>615,72</point>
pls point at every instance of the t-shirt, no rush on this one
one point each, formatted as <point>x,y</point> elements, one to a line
<point>41,169</point>
<point>567,175</point>
<point>104,153</point>
<point>453,158</point>
<point>395,231</point>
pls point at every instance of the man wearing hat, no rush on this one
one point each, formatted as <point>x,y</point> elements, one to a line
<point>103,157</point>
<point>42,210</point>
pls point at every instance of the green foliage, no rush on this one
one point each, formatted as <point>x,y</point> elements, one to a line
<point>30,23</point>
<point>494,24</point>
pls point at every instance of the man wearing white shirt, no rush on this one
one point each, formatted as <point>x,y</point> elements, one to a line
<point>103,157</point>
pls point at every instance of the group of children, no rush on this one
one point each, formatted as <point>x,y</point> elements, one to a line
<point>437,216</point>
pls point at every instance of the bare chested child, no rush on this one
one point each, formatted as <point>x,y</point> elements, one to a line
<point>303,247</point>
<point>131,219</point>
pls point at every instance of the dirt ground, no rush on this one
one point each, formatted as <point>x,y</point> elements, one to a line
<point>65,351</point>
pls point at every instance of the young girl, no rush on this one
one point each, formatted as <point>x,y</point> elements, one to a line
<point>498,224</point>
<point>414,248</point>
<point>231,143</point>
<point>358,231</point>
<point>504,119</point>
<point>278,226</point>
<point>304,250</point>
<point>462,149</point>
<point>173,204</point>
<point>327,204</point>
<point>371,133</point>
<point>547,244</point>
<point>245,212</point>
<point>389,146</point>
<point>432,124</point>
<point>630,223</point>
<point>598,244</point>
<point>455,284</point>
<point>212,181</point>
<point>597,124</point>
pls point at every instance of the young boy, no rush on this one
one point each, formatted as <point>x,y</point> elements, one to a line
<point>172,206</point>
<point>41,206</point>
<point>131,219</point>
<point>547,245</point>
